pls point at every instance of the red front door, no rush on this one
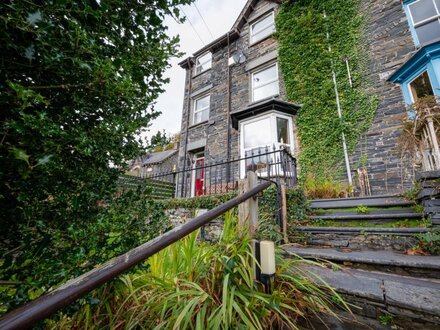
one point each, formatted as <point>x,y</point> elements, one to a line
<point>199,176</point>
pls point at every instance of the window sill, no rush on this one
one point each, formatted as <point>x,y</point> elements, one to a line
<point>200,73</point>
<point>198,124</point>
<point>276,96</point>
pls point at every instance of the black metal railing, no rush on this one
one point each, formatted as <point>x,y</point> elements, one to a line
<point>270,163</point>
<point>43,307</point>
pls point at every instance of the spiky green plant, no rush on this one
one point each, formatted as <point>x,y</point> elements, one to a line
<point>195,285</point>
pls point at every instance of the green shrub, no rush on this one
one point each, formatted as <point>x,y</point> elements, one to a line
<point>430,241</point>
<point>194,285</point>
<point>48,256</point>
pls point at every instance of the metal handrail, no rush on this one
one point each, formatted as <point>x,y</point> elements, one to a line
<point>39,309</point>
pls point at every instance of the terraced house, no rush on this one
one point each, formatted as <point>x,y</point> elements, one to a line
<point>236,105</point>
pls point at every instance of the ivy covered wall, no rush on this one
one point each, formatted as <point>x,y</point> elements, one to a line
<point>306,65</point>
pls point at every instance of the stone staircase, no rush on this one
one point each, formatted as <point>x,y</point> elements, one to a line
<point>377,223</point>
<point>365,240</point>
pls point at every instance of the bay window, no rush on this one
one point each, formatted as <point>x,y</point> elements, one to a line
<point>421,87</point>
<point>262,135</point>
<point>264,83</point>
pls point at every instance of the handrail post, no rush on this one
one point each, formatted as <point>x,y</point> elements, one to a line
<point>248,211</point>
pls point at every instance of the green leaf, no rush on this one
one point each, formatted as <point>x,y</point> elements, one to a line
<point>20,154</point>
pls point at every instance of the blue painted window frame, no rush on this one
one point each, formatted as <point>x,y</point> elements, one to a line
<point>410,21</point>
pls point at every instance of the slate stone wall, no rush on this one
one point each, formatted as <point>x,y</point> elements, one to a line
<point>389,44</point>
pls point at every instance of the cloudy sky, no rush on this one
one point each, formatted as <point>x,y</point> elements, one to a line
<point>219,16</point>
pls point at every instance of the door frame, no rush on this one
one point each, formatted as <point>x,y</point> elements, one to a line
<point>195,158</point>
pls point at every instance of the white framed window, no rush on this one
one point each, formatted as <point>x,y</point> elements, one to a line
<point>420,87</point>
<point>201,109</point>
<point>425,19</point>
<point>203,63</point>
<point>264,83</point>
<point>262,28</point>
<point>259,135</point>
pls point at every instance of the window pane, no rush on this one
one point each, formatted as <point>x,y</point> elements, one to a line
<point>262,77</point>
<point>283,130</point>
<point>263,33</point>
<point>257,163</point>
<point>203,62</point>
<point>258,26</point>
<point>422,10</point>
<point>266,91</point>
<point>202,103</point>
<point>421,86</point>
<point>428,32</point>
<point>257,134</point>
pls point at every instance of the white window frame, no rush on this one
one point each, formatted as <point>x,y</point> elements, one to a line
<point>251,28</point>
<point>202,64</point>
<point>409,84</point>
<point>195,110</point>
<point>428,20</point>
<point>273,115</point>
<point>266,67</point>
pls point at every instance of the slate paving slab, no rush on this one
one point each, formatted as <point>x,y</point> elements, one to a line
<point>391,290</point>
<point>388,258</point>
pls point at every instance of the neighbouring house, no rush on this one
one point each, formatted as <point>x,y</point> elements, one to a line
<point>235,103</point>
<point>156,164</point>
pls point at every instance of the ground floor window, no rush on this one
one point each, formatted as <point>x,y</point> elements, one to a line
<point>259,136</point>
<point>421,87</point>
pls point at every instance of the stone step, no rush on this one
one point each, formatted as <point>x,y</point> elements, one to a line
<point>413,303</point>
<point>373,201</point>
<point>358,238</point>
<point>364,230</point>
<point>386,214</point>
<point>387,261</point>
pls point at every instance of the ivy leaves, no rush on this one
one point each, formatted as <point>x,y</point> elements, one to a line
<point>306,64</point>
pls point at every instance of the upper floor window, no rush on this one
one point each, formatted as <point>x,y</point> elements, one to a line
<point>203,63</point>
<point>425,20</point>
<point>201,109</point>
<point>263,27</point>
<point>264,83</point>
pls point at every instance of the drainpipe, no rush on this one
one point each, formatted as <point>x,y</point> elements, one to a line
<point>228,114</point>
<point>187,126</point>
<point>338,103</point>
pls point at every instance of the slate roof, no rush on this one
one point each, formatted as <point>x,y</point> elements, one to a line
<point>157,157</point>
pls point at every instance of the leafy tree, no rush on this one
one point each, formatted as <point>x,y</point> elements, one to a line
<point>158,141</point>
<point>78,82</point>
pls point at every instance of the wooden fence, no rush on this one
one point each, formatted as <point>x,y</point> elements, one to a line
<point>159,189</point>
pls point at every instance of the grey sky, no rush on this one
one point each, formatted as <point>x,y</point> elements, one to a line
<point>219,15</point>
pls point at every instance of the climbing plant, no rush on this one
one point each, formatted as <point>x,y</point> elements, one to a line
<point>307,65</point>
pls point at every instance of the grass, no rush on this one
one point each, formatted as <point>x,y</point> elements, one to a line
<point>356,210</point>
<point>404,223</point>
<point>195,285</point>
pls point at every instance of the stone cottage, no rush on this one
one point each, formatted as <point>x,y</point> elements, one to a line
<point>235,100</point>
<point>157,164</point>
